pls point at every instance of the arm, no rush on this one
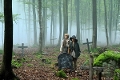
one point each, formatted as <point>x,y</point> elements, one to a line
<point>78,47</point>
<point>61,46</point>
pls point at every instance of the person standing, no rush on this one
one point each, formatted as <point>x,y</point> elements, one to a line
<point>74,50</point>
<point>65,44</point>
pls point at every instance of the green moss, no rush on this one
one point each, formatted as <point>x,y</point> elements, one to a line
<point>106,56</point>
<point>117,74</point>
<point>61,74</point>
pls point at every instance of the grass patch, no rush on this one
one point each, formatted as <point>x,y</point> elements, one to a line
<point>38,56</point>
<point>61,74</point>
<point>18,63</point>
<point>30,65</point>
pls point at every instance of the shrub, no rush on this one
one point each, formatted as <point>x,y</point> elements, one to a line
<point>61,74</point>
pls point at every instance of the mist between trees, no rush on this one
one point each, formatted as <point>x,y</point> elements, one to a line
<point>82,18</point>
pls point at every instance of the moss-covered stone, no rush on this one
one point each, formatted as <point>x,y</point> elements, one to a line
<point>106,57</point>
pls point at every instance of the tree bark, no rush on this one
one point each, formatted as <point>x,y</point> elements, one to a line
<point>44,21</point>
<point>65,16</point>
<point>105,21</point>
<point>60,23</point>
<point>40,24</point>
<point>29,24</point>
<point>94,17</point>
<point>34,23</point>
<point>6,70</point>
<point>77,19</point>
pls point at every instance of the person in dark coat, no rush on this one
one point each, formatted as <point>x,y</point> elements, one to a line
<point>74,50</point>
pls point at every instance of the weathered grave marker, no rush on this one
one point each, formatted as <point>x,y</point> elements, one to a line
<point>91,68</point>
<point>90,61</point>
<point>22,47</point>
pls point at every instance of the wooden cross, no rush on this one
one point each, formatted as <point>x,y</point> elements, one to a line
<point>22,47</point>
<point>87,42</point>
<point>90,61</point>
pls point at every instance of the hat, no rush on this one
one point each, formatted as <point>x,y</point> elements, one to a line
<point>73,37</point>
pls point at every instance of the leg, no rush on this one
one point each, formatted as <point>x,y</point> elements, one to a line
<point>75,63</point>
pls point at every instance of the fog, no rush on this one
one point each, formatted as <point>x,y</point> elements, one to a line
<point>20,34</point>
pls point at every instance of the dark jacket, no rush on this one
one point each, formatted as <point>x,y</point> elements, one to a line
<point>76,48</point>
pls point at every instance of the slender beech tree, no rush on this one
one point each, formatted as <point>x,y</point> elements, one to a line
<point>105,21</point>
<point>77,3</point>
<point>6,72</point>
<point>34,22</point>
<point>29,22</point>
<point>65,16</point>
<point>40,24</point>
<point>52,19</point>
<point>44,21</point>
<point>94,17</point>
<point>60,23</point>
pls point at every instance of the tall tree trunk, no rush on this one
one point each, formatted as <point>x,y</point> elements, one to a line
<point>117,17</point>
<point>60,23</point>
<point>71,15</point>
<point>40,24</point>
<point>94,17</point>
<point>51,31</point>
<point>6,72</point>
<point>44,21</point>
<point>105,21</point>
<point>29,24</point>
<point>34,22</point>
<point>77,19</point>
<point>65,16</point>
<point>110,21</point>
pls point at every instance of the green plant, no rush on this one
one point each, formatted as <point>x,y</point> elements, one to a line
<point>30,65</point>
<point>39,56</point>
<point>107,56</point>
<point>61,74</point>
<point>117,74</point>
<point>16,63</point>
<point>86,62</point>
<point>75,79</point>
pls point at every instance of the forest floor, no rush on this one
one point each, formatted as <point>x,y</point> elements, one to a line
<point>34,68</point>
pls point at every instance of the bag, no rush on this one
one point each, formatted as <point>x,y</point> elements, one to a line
<point>73,54</point>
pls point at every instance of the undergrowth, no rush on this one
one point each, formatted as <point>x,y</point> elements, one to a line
<point>61,74</point>
<point>18,63</point>
<point>117,74</point>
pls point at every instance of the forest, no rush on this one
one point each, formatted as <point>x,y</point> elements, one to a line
<point>40,25</point>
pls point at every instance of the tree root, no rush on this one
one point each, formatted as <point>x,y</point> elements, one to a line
<point>8,76</point>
